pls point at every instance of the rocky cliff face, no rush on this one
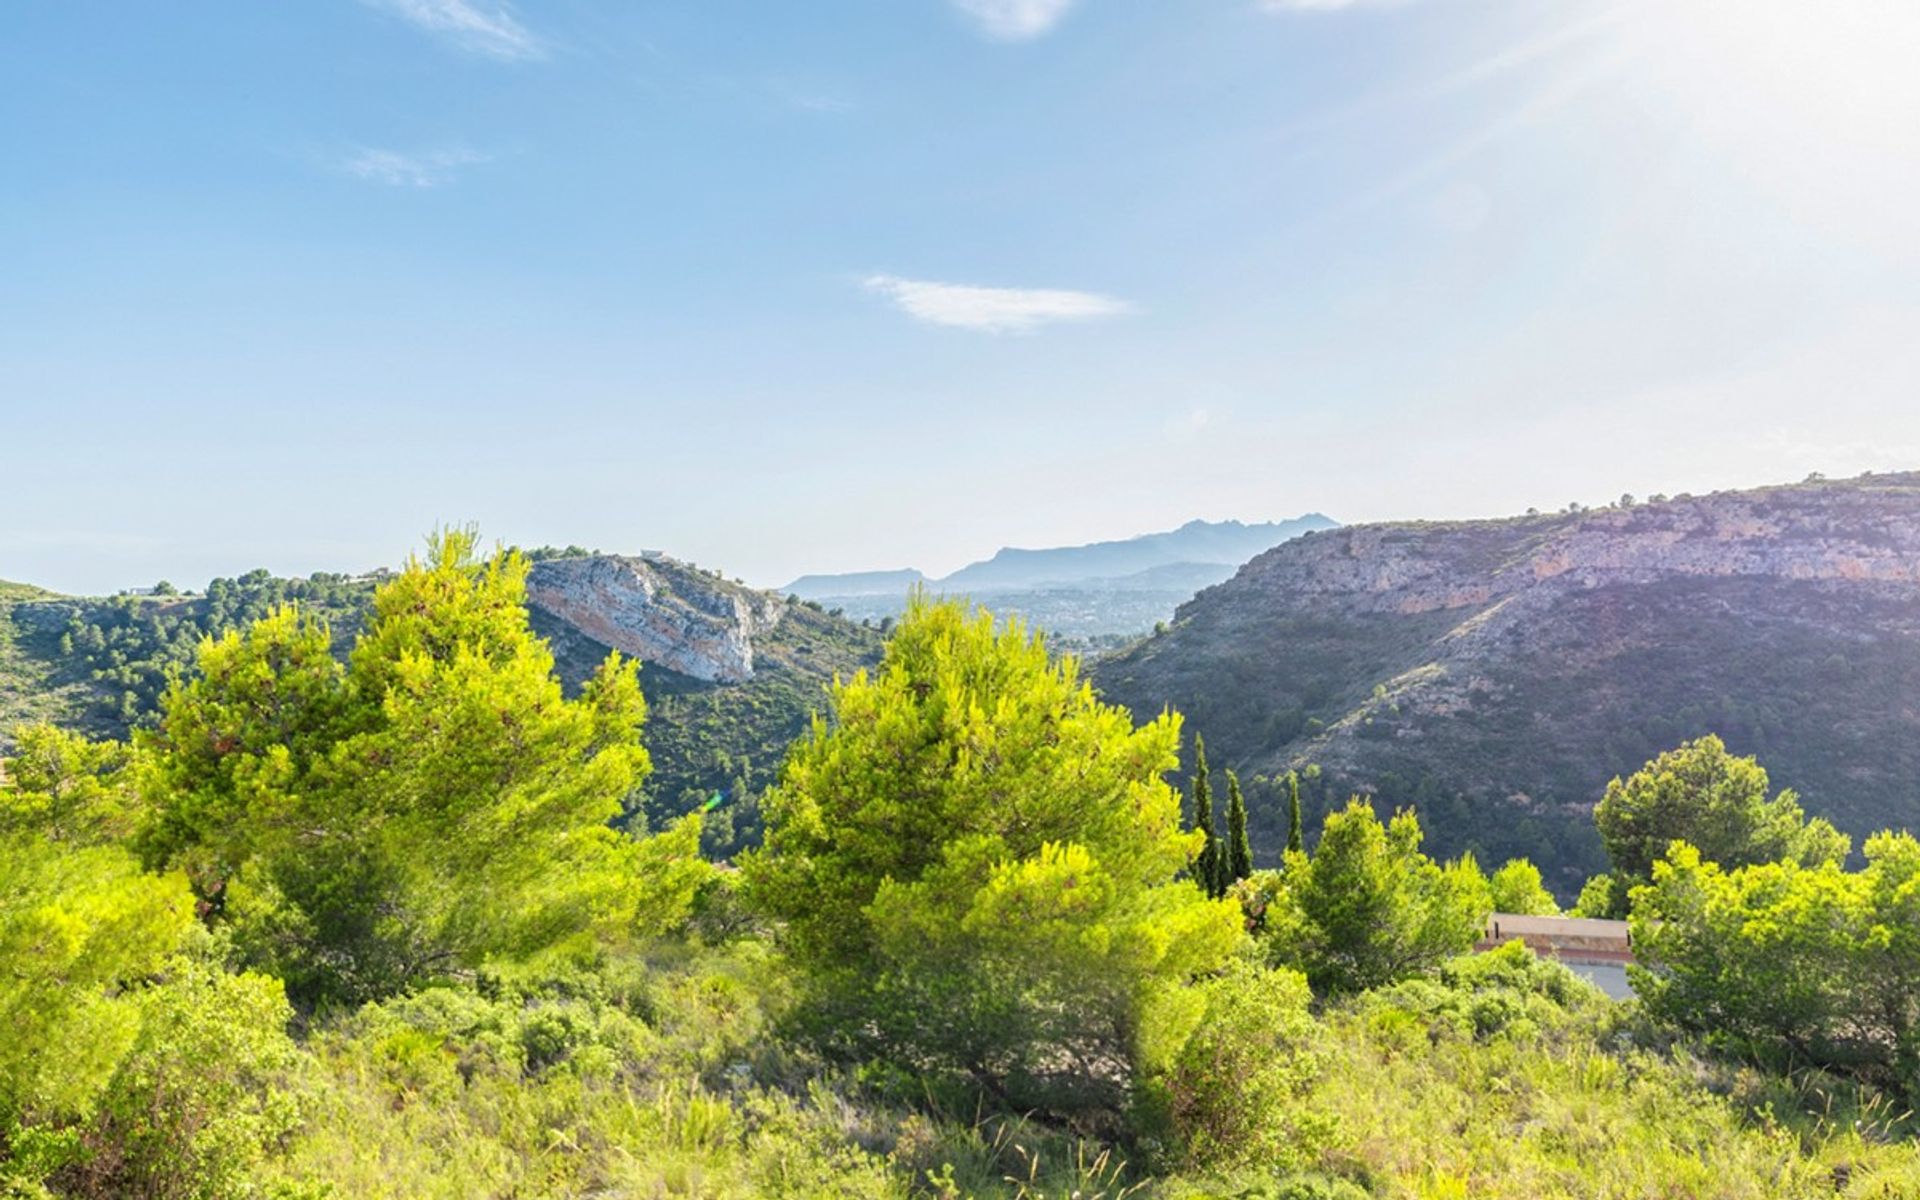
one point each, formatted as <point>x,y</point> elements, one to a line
<point>1863,532</point>
<point>658,611</point>
<point>733,675</point>
<point>1500,672</point>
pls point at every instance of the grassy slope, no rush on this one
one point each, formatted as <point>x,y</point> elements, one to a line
<point>36,683</point>
<point>675,1081</point>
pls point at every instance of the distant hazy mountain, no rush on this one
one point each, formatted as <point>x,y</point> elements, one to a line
<point>1092,596</point>
<point>1226,542</point>
<point>1187,552</point>
<point>1187,577</point>
<point>855,583</point>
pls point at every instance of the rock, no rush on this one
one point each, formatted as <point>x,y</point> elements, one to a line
<point>1832,533</point>
<point>659,611</point>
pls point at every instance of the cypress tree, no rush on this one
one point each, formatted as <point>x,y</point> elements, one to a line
<point>1239,861</point>
<point>1296,837</point>
<point>1204,871</point>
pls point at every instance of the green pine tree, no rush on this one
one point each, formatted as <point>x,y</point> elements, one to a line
<point>1239,858</point>
<point>1296,836</point>
<point>976,864</point>
<point>1204,872</point>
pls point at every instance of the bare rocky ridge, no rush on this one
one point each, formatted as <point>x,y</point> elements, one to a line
<point>658,611</point>
<point>732,674</point>
<point>1856,533</point>
<point>1499,672</point>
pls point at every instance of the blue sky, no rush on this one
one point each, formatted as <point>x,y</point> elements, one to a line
<point>786,287</point>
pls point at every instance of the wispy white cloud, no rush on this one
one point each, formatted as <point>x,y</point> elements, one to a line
<point>429,169</point>
<point>992,309</point>
<point>474,25</point>
<point>1014,20</point>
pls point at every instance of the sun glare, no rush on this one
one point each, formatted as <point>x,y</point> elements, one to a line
<point>1820,102</point>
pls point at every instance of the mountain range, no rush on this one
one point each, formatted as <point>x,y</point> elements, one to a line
<point>1492,674</point>
<point>1088,594</point>
<point>1225,543</point>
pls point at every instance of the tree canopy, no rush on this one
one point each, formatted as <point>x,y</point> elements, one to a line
<point>1369,908</point>
<point>132,1063</point>
<point>1720,804</point>
<point>434,804</point>
<point>1800,964</point>
<point>976,863</point>
<point>1516,888</point>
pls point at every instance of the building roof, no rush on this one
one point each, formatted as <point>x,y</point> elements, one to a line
<point>1571,939</point>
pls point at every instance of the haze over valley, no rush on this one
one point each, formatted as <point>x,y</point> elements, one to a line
<point>1089,595</point>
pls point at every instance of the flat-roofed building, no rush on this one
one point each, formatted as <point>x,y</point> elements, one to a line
<point>1594,949</point>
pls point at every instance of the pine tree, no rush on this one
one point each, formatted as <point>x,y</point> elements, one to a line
<point>912,842</point>
<point>1204,872</point>
<point>1239,858</point>
<point>435,804</point>
<point>1296,836</point>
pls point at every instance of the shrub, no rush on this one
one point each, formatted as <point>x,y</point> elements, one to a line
<point>1228,1092</point>
<point>1369,908</point>
<point>1509,990</point>
<point>202,1100</point>
<point>1701,794</point>
<point>1790,963</point>
<point>1516,888</point>
<point>976,863</point>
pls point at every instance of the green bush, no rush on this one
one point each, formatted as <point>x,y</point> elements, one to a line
<point>975,863</point>
<point>1227,1092</point>
<point>1505,991</point>
<point>1368,907</point>
<point>1792,964</point>
<point>204,1097</point>
<point>558,1086</point>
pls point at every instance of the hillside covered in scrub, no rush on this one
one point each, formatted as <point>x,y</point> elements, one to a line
<point>733,674</point>
<point>1496,674</point>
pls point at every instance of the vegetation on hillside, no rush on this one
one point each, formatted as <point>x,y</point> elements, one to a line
<point>975,868</point>
<point>712,740</point>
<point>367,929</point>
<point>1719,804</point>
<point>103,666</point>
<point>111,660</point>
<point>1494,675</point>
